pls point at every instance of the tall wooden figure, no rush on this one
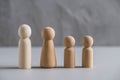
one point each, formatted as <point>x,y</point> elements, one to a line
<point>24,33</point>
<point>48,57</point>
<point>69,52</point>
<point>87,52</point>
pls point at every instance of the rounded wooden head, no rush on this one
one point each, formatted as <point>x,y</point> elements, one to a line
<point>24,31</point>
<point>48,33</point>
<point>87,41</point>
<point>69,41</point>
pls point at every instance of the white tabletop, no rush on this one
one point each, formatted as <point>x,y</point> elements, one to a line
<point>106,66</point>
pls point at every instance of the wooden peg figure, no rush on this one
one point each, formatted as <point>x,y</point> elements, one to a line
<point>48,56</point>
<point>87,52</point>
<point>69,52</point>
<point>24,33</point>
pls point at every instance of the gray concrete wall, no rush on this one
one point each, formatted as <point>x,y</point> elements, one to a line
<point>98,18</point>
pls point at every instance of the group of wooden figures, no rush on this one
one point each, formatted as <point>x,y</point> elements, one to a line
<point>48,56</point>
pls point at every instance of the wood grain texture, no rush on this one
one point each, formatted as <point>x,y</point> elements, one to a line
<point>87,52</point>
<point>24,47</point>
<point>69,52</point>
<point>48,56</point>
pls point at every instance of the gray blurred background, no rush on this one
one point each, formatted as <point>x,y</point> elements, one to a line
<point>98,18</point>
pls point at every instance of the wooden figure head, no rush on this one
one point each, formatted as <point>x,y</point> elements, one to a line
<point>69,41</point>
<point>24,31</point>
<point>87,41</point>
<point>48,33</point>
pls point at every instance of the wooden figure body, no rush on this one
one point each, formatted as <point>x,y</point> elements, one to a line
<point>87,52</point>
<point>69,52</point>
<point>48,57</point>
<point>24,47</point>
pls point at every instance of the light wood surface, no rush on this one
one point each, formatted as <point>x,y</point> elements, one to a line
<point>69,52</point>
<point>48,56</point>
<point>87,52</point>
<point>24,47</point>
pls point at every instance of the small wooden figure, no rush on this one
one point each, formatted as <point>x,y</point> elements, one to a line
<point>69,52</point>
<point>87,52</point>
<point>48,56</point>
<point>24,33</point>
